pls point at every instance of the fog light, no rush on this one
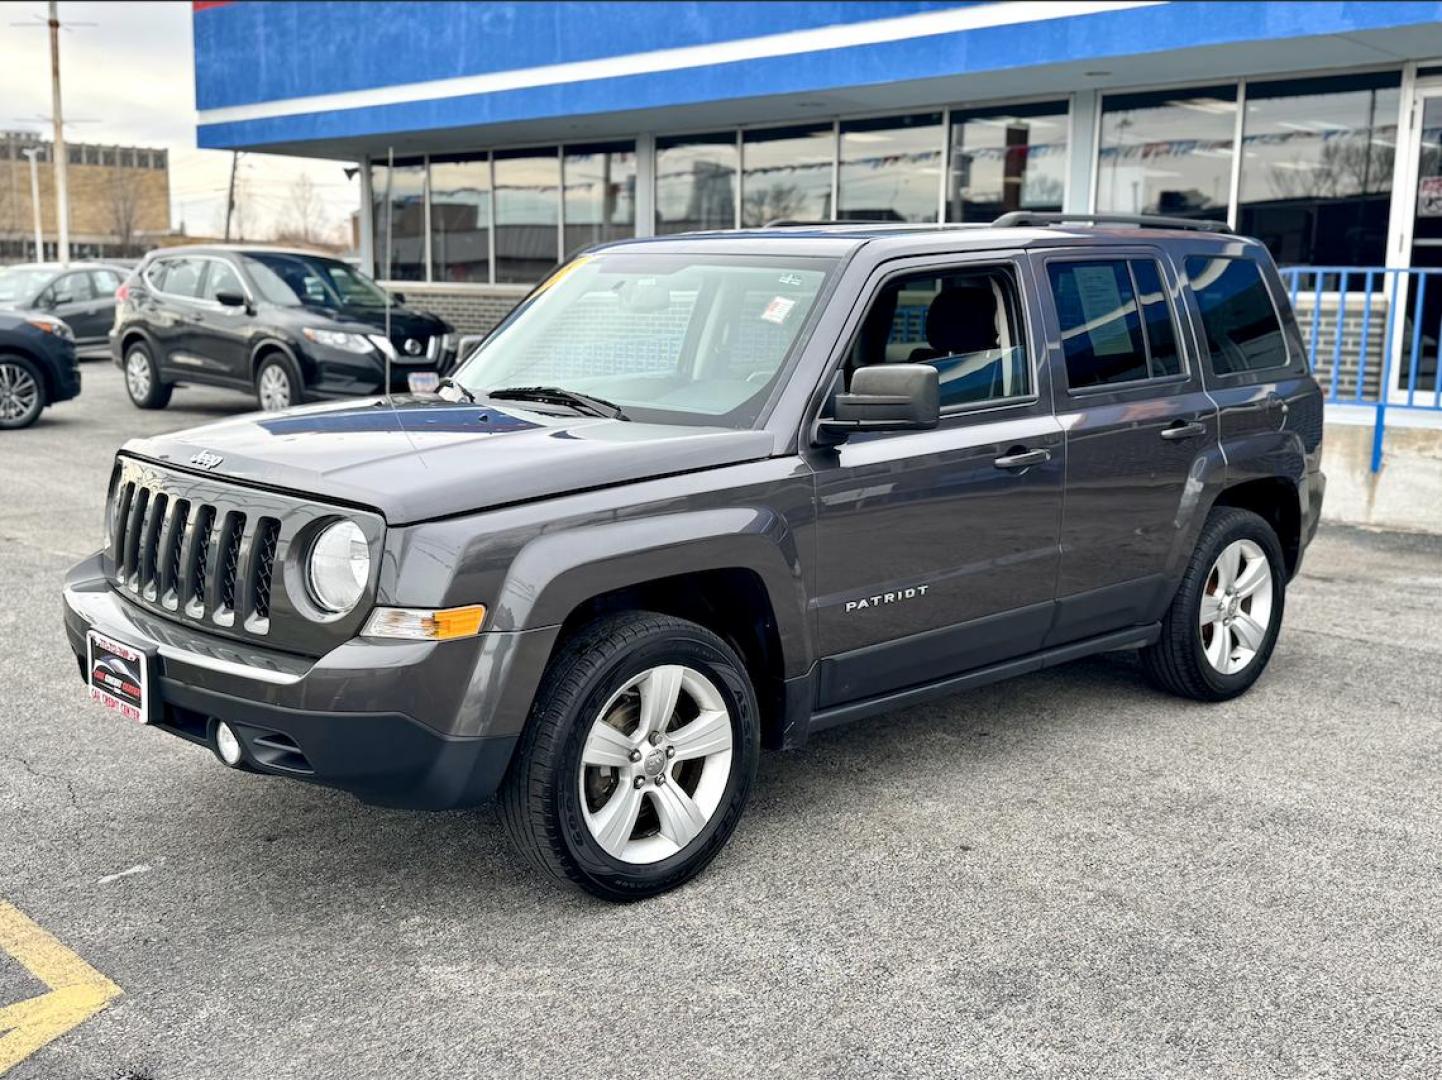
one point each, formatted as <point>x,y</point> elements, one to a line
<point>227,746</point>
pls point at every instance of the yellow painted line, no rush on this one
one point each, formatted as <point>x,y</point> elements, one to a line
<point>77,991</point>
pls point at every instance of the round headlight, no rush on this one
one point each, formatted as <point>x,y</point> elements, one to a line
<point>340,563</point>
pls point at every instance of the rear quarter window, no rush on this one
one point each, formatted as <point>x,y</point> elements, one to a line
<point>1241,324</point>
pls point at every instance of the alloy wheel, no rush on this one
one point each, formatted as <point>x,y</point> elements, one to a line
<point>137,375</point>
<point>655,764</point>
<point>19,394</point>
<point>274,390</point>
<point>1236,609</point>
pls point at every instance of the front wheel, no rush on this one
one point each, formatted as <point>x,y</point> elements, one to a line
<point>22,392</point>
<point>277,384</point>
<point>637,759</point>
<point>1220,630</point>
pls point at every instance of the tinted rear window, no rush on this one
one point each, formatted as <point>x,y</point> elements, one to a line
<point>1243,333</point>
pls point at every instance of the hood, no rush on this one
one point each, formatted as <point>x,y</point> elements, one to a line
<point>404,321</point>
<point>421,457</point>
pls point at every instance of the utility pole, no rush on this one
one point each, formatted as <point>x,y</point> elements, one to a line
<point>62,193</point>
<point>32,153</point>
<point>230,198</point>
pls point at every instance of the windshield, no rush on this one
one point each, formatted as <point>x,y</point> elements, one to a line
<point>292,280</point>
<point>684,339</point>
<point>22,282</point>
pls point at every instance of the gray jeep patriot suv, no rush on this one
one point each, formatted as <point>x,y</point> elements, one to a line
<point>708,493</point>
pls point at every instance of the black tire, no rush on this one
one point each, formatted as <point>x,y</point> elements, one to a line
<point>540,799</point>
<point>153,394</point>
<point>22,392</point>
<point>295,385</point>
<point>1177,662</point>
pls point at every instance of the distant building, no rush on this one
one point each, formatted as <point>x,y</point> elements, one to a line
<point>119,198</point>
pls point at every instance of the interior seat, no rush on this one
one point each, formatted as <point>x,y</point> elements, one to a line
<point>961,319</point>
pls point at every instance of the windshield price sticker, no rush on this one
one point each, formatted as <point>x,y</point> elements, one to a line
<point>778,309</point>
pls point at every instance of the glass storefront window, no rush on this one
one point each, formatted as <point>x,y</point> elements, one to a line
<point>890,168</point>
<point>400,235</point>
<point>528,206</point>
<point>461,218</point>
<point>1168,152</point>
<point>787,174</point>
<point>600,194</point>
<point>1317,161</point>
<point>1007,159</point>
<point>696,182</point>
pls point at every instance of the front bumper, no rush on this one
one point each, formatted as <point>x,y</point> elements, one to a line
<point>421,725</point>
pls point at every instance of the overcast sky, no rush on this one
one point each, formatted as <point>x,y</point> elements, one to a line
<point>129,78</point>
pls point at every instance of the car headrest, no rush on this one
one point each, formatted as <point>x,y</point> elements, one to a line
<point>962,319</point>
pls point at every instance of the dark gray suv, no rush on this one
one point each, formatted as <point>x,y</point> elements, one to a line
<point>711,493</point>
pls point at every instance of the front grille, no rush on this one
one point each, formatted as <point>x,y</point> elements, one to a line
<point>192,557</point>
<point>225,557</point>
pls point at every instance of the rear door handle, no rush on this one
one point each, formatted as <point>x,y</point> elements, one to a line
<point>1181,430</point>
<point>1022,459</point>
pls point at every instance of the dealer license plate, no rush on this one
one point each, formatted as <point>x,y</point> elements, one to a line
<point>423,382</point>
<point>119,677</point>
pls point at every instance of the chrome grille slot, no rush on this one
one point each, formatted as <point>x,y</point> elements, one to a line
<point>134,526</point>
<point>120,516</point>
<point>172,552</point>
<point>232,532</point>
<point>267,535</point>
<point>155,520</point>
<point>200,563</point>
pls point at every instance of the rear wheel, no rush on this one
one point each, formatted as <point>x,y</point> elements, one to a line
<point>277,385</point>
<point>1222,626</point>
<point>22,392</point>
<point>142,378</point>
<point>638,757</point>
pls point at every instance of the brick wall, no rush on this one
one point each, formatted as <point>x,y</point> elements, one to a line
<point>1353,316</point>
<point>471,311</point>
<point>102,197</point>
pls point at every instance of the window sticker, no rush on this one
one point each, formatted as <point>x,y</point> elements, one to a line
<point>1102,307</point>
<point>777,311</point>
<point>789,279</point>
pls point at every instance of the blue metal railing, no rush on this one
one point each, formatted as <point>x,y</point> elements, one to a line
<point>1339,309</point>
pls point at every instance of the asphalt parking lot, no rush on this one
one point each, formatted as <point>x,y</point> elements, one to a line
<point>1065,875</point>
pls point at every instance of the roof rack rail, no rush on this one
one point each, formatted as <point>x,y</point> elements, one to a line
<point>1018,218</point>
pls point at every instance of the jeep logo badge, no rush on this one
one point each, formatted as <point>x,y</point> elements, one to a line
<point>206,460</point>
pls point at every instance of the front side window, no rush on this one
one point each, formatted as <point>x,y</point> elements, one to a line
<point>688,338</point>
<point>1243,332</point>
<point>1116,323</point>
<point>72,288</point>
<point>966,322</point>
<point>222,278</point>
<point>179,276</point>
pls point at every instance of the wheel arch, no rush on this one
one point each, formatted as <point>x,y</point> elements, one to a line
<point>268,345</point>
<point>1277,500</point>
<point>736,572</point>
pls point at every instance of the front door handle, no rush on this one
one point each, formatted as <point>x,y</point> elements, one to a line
<point>1021,458</point>
<point>1183,430</point>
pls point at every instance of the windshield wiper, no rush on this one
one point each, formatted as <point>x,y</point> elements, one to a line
<point>556,395</point>
<point>458,388</point>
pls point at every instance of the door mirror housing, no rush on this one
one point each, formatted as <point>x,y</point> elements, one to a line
<point>231,298</point>
<point>398,298</point>
<point>885,397</point>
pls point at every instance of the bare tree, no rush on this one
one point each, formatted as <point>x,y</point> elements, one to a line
<point>124,198</point>
<point>777,202</point>
<point>306,217</point>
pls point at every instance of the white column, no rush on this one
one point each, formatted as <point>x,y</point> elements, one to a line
<point>1082,148</point>
<point>645,185</point>
<point>367,219</point>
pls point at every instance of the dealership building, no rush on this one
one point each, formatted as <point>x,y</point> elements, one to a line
<point>497,139</point>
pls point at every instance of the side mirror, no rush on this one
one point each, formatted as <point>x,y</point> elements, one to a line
<point>230,298</point>
<point>398,298</point>
<point>886,397</point>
